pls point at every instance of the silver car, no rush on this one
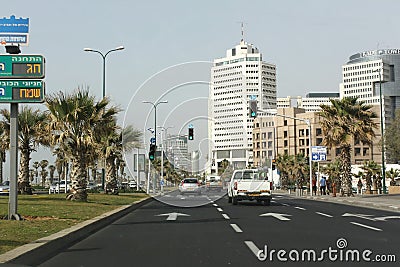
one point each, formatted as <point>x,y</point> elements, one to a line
<point>190,185</point>
<point>5,187</point>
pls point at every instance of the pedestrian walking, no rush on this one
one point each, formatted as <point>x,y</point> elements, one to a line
<point>314,186</point>
<point>322,186</point>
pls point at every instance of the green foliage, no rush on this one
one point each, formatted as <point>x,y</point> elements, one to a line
<point>392,140</point>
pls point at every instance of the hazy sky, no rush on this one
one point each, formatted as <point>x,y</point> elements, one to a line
<point>308,40</point>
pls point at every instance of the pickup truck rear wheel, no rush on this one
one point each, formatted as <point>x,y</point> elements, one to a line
<point>229,199</point>
<point>234,201</point>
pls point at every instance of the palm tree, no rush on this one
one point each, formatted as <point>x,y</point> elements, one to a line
<point>30,134</point>
<point>76,122</point>
<point>392,174</point>
<point>43,165</point>
<point>332,169</point>
<point>52,169</point>
<point>371,174</point>
<point>36,167</point>
<point>344,121</point>
<point>114,142</point>
<point>282,163</point>
<point>4,144</point>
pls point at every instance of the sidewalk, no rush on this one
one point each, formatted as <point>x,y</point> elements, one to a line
<point>382,202</point>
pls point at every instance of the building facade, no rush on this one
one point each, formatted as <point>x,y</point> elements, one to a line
<point>176,150</point>
<point>236,78</point>
<point>276,135</point>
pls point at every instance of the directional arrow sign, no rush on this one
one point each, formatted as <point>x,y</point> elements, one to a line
<point>278,216</point>
<point>173,215</point>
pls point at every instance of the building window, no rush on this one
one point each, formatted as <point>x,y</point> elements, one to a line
<point>285,123</point>
<point>285,143</point>
<point>285,134</point>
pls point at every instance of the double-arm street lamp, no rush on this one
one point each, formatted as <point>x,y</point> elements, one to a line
<point>155,135</point>
<point>104,56</point>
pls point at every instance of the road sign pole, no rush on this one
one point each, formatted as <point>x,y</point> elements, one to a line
<point>13,199</point>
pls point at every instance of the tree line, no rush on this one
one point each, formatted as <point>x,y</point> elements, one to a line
<point>79,130</point>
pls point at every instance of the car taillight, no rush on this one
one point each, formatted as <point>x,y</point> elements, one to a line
<point>235,186</point>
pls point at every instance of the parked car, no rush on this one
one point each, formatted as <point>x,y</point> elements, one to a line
<point>190,185</point>
<point>53,188</point>
<point>132,184</point>
<point>5,187</point>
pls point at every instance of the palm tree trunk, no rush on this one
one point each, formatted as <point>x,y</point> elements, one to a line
<point>78,180</point>
<point>111,177</point>
<point>346,185</point>
<point>24,186</point>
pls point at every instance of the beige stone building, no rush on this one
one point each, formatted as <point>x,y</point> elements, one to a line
<point>279,135</point>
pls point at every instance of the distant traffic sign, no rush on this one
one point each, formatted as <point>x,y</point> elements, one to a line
<point>21,91</point>
<point>21,66</point>
<point>318,153</point>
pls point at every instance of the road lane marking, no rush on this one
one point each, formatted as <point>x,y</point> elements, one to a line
<point>225,216</point>
<point>219,209</point>
<point>252,247</point>
<point>278,196</point>
<point>278,216</point>
<point>324,214</point>
<point>284,204</point>
<point>215,205</point>
<point>173,215</point>
<point>361,216</point>
<point>236,228</point>
<point>366,226</point>
<point>394,207</point>
<point>299,208</point>
<point>272,201</point>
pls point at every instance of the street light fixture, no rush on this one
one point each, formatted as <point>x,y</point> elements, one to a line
<point>103,172</point>
<point>155,135</point>
<point>382,132</point>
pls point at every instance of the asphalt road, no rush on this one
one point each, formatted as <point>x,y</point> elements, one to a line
<point>297,232</point>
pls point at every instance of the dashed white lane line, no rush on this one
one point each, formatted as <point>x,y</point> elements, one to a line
<point>324,214</point>
<point>299,208</point>
<point>236,228</point>
<point>366,226</point>
<point>225,216</point>
<point>252,247</point>
<point>215,205</point>
<point>284,204</point>
<point>219,209</point>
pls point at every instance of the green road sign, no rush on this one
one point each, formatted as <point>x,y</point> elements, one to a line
<point>21,66</point>
<point>21,91</point>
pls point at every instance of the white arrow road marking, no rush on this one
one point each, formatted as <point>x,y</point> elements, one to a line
<point>366,226</point>
<point>324,214</point>
<point>386,218</point>
<point>236,228</point>
<point>252,247</point>
<point>362,216</point>
<point>278,216</point>
<point>173,215</point>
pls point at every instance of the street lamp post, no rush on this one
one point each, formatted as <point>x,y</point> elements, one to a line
<point>103,172</point>
<point>155,126</point>
<point>382,133</point>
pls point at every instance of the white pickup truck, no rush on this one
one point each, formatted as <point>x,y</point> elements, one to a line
<point>249,184</point>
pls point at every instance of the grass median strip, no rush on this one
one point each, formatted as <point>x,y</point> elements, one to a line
<point>47,214</point>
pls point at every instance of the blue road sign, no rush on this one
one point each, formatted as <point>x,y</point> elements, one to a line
<point>14,31</point>
<point>318,153</point>
<point>153,140</point>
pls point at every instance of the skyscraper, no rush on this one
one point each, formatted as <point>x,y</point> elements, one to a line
<point>236,78</point>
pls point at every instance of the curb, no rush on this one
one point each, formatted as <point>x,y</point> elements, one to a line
<point>354,202</point>
<point>44,248</point>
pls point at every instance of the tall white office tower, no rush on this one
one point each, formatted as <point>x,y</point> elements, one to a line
<point>235,79</point>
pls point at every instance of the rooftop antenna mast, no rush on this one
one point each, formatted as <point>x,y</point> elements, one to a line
<point>242,30</point>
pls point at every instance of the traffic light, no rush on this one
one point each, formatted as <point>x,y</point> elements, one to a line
<point>253,108</point>
<point>191,133</point>
<point>152,152</point>
<point>273,165</point>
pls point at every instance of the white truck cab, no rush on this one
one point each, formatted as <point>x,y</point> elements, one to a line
<point>250,184</point>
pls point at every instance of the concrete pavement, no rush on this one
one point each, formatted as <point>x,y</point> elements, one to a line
<point>382,202</point>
